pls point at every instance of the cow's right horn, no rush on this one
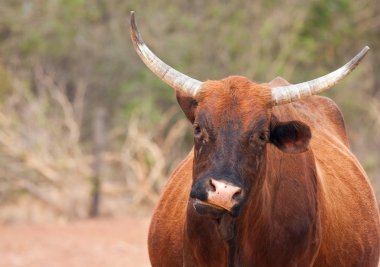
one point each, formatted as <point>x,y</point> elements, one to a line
<point>166,73</point>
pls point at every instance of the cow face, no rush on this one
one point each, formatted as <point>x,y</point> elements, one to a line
<point>233,125</point>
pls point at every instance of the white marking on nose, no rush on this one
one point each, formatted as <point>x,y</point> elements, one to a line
<point>223,194</point>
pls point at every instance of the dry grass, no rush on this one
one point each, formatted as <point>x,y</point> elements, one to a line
<point>46,169</point>
<point>46,172</point>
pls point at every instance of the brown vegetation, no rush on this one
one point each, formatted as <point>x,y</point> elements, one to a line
<point>63,61</point>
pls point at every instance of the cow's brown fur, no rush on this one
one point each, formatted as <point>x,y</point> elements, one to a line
<point>309,209</point>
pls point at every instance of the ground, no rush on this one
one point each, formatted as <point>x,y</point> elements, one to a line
<point>96,243</point>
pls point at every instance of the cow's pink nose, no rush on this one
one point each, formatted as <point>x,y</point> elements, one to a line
<point>223,194</point>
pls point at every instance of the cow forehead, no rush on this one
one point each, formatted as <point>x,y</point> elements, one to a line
<point>233,100</point>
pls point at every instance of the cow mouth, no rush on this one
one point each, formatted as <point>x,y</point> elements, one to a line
<point>205,208</point>
<point>223,218</point>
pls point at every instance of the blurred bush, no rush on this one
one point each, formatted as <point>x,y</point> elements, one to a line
<point>63,61</point>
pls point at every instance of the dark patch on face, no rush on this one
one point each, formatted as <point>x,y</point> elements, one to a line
<point>227,157</point>
<point>199,189</point>
<point>231,129</point>
<point>230,154</point>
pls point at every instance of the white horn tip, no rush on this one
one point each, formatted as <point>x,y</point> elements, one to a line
<point>364,50</point>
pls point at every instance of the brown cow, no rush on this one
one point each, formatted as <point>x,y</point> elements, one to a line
<point>271,180</point>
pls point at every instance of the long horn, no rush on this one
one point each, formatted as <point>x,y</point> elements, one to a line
<point>166,73</point>
<point>294,92</point>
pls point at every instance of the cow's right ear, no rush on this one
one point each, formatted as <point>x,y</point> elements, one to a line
<point>187,104</point>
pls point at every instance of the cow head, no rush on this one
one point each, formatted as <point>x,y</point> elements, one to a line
<point>233,125</point>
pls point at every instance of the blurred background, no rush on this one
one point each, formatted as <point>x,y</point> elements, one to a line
<point>86,130</point>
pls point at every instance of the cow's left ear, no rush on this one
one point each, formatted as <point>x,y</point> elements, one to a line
<point>290,137</point>
<point>187,104</point>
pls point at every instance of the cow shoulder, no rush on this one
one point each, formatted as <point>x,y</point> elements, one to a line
<point>295,217</point>
<point>333,115</point>
<point>165,238</point>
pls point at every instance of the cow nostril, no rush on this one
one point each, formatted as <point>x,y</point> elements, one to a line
<point>212,186</point>
<point>236,195</point>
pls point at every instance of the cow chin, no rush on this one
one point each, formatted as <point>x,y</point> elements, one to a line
<point>214,211</point>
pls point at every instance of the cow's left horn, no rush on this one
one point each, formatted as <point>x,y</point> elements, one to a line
<point>294,92</point>
<point>166,73</point>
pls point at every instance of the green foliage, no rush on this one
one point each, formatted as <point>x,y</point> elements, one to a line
<point>87,42</point>
<point>146,95</point>
<point>327,27</point>
<point>5,84</point>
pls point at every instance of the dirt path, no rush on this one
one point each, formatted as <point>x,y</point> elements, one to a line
<point>89,243</point>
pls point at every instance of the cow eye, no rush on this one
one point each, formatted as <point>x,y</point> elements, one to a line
<point>197,131</point>
<point>263,137</point>
<point>259,137</point>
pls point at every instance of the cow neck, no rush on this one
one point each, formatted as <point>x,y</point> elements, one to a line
<point>231,254</point>
<point>226,226</point>
<point>253,212</point>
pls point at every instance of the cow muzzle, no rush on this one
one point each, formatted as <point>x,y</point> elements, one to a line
<point>216,196</point>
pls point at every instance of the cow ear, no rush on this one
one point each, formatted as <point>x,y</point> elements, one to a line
<point>187,104</point>
<point>290,137</point>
